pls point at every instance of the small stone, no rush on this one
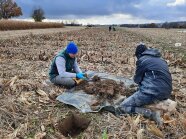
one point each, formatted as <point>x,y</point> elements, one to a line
<point>42,128</point>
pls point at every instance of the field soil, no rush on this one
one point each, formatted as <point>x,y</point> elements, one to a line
<point>28,108</point>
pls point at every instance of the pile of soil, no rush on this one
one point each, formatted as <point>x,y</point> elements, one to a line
<point>103,89</point>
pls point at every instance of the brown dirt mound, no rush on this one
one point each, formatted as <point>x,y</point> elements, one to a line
<point>104,89</point>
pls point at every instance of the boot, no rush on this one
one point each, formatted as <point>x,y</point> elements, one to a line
<point>116,110</point>
<point>109,109</point>
<point>155,116</point>
<point>120,110</point>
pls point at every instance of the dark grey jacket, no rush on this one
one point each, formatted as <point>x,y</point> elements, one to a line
<point>152,75</point>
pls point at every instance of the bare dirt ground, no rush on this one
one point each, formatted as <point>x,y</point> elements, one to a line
<point>167,37</point>
<point>28,108</point>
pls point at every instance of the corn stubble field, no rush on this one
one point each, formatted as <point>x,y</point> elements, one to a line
<point>20,25</point>
<point>28,108</point>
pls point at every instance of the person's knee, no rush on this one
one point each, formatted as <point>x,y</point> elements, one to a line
<point>123,104</point>
<point>53,80</point>
<point>66,82</point>
<point>69,82</point>
<point>127,102</point>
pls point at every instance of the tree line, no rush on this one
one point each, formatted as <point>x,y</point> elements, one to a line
<point>166,25</point>
<point>9,9</point>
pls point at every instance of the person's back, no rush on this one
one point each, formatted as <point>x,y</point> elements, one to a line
<point>152,74</point>
<point>154,83</point>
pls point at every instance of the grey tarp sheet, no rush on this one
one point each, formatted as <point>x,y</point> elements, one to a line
<point>83,101</point>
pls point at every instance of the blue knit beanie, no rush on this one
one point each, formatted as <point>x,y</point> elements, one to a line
<point>139,50</point>
<point>72,48</point>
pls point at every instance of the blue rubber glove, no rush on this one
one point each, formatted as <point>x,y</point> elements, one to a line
<point>80,75</point>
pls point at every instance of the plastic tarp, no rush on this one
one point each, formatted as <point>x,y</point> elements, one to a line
<point>83,101</point>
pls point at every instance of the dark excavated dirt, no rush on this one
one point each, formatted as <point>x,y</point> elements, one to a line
<point>73,125</point>
<point>106,89</point>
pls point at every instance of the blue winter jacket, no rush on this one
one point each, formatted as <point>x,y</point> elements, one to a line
<point>152,75</point>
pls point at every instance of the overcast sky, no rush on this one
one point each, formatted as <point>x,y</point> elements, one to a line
<point>108,11</point>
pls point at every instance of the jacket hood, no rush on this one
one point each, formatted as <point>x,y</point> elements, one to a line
<point>152,52</point>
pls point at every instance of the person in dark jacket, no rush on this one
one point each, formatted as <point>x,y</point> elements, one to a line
<point>64,67</point>
<point>110,28</point>
<point>154,83</point>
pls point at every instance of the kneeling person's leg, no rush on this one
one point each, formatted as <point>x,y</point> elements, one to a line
<point>67,82</point>
<point>138,99</point>
<point>135,103</point>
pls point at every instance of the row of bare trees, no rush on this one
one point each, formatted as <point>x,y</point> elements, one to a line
<point>167,25</point>
<point>9,9</point>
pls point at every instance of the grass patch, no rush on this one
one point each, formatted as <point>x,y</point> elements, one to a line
<point>104,134</point>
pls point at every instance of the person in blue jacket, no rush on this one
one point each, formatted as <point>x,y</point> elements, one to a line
<point>64,67</point>
<point>154,83</point>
